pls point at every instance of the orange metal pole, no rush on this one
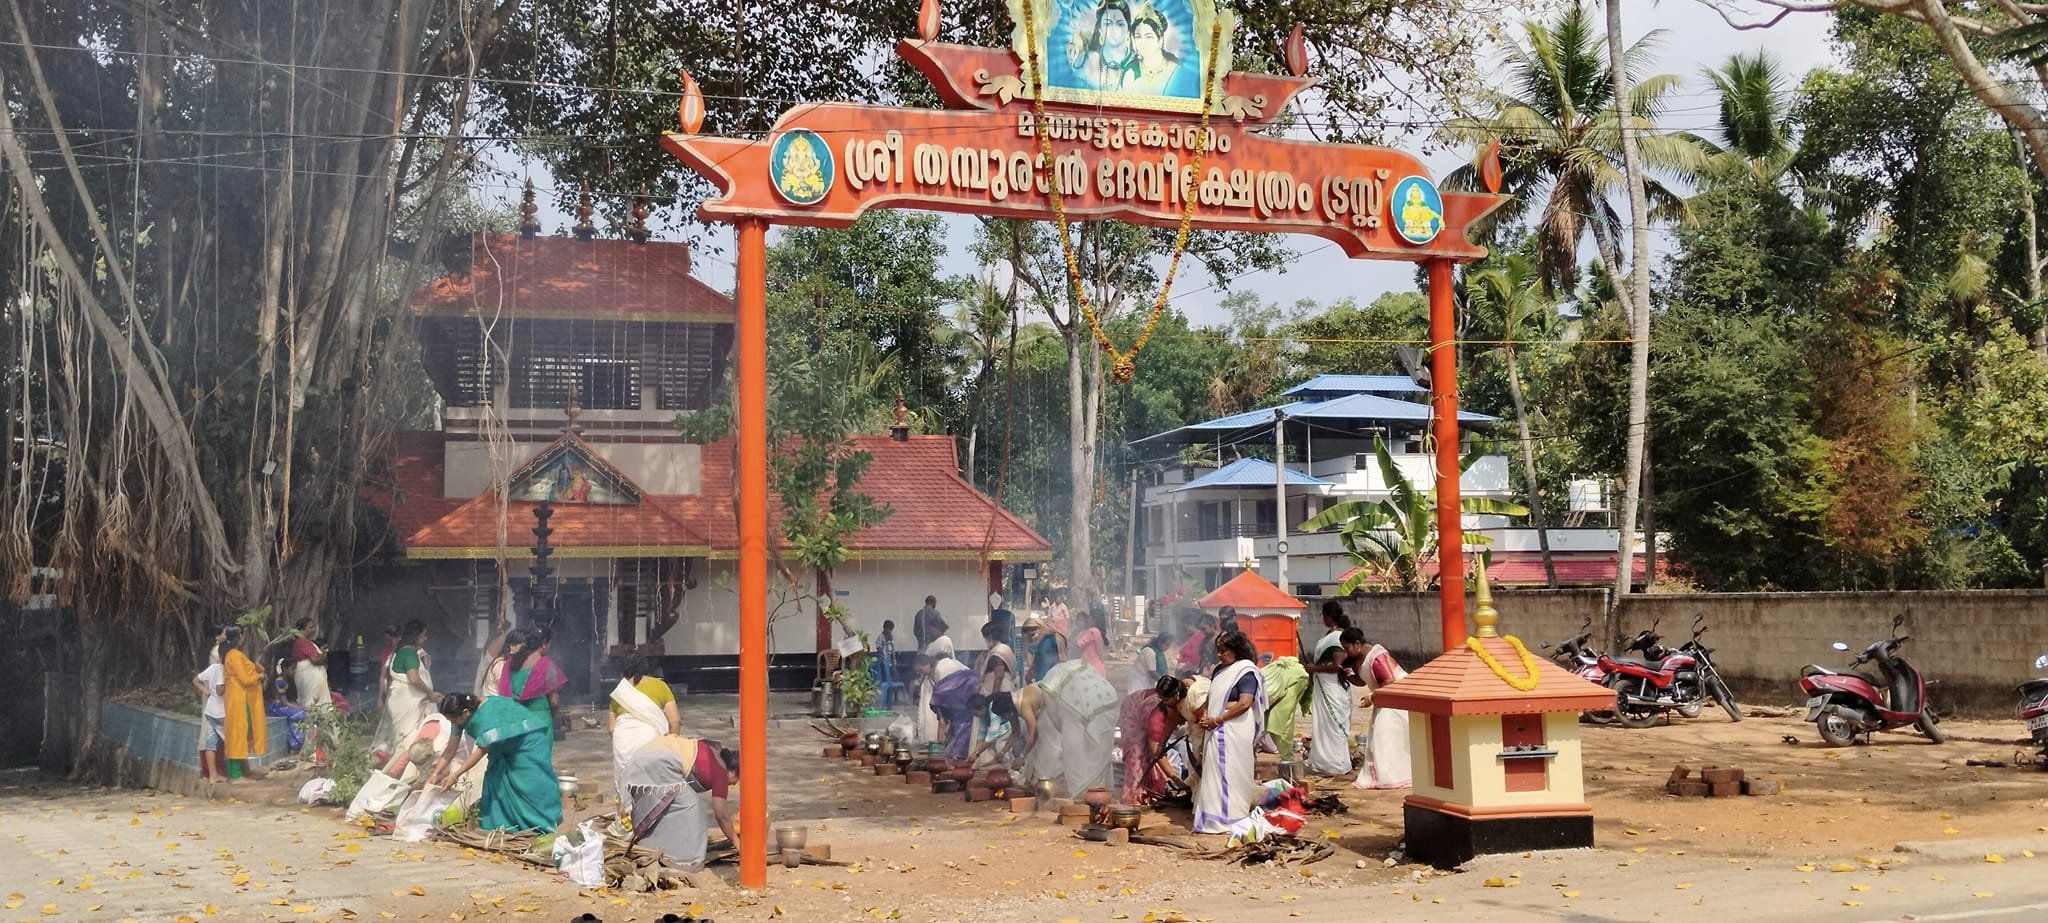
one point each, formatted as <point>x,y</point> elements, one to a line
<point>1443,400</point>
<point>750,367</point>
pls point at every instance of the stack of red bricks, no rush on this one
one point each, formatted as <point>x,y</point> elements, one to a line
<point>1718,782</point>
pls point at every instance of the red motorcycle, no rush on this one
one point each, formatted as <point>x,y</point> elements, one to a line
<point>1572,654</point>
<point>1666,680</point>
<point>1844,705</point>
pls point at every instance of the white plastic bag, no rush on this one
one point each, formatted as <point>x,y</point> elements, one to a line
<point>581,861</point>
<point>416,816</point>
<point>315,791</point>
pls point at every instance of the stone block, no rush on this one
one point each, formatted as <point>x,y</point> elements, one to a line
<point>819,851</point>
<point>887,769</point>
<point>1689,789</point>
<point>979,793</point>
<point>833,752</point>
<point>867,759</point>
<point>1762,787</point>
<point>1680,773</point>
<point>917,778</point>
<point>1073,820</point>
<point>1721,775</point>
<point>1119,837</point>
<point>1024,805</point>
<point>1725,789</point>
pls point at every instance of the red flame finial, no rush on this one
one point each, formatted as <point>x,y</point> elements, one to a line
<point>690,112</point>
<point>1297,51</point>
<point>928,20</point>
<point>1489,166</point>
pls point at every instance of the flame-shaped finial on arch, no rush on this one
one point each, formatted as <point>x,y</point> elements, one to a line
<point>1297,51</point>
<point>690,112</point>
<point>928,20</point>
<point>1489,166</point>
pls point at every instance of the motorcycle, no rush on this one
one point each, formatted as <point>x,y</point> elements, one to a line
<point>1573,655</point>
<point>1666,680</point>
<point>2034,709</point>
<point>1843,705</point>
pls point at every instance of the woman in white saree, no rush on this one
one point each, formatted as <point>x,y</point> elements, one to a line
<point>1237,699</point>
<point>1329,752</point>
<point>1386,751</point>
<point>643,708</point>
<point>411,697</point>
<point>1070,727</point>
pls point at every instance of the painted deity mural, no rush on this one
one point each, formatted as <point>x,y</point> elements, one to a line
<point>568,477</point>
<point>1146,53</point>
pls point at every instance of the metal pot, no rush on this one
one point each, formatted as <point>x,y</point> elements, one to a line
<point>1125,816</point>
<point>791,837</point>
<point>1293,770</point>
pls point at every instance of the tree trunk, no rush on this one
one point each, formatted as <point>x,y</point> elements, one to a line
<point>1639,311</point>
<point>1529,468</point>
<point>1080,455</point>
<point>2032,226</point>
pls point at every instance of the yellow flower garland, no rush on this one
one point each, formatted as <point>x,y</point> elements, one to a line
<point>1523,683</point>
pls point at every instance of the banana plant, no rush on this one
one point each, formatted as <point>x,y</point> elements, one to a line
<point>1390,539</point>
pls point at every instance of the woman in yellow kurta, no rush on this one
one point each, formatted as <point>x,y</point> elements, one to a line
<point>243,696</point>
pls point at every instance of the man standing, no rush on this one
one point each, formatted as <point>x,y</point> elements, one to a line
<point>924,626</point>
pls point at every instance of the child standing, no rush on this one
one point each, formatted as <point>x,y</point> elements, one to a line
<point>885,664</point>
<point>213,716</point>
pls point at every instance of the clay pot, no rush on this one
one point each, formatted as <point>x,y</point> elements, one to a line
<point>1096,798</point>
<point>962,774</point>
<point>849,741</point>
<point>998,778</point>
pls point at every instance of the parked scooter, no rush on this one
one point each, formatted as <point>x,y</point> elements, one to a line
<point>2034,709</point>
<point>1666,680</point>
<point>1843,705</point>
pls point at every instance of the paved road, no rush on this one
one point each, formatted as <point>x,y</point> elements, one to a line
<point>104,854</point>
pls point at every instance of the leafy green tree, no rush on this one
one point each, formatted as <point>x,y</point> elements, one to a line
<point>1392,538</point>
<point>1345,336</point>
<point>1510,298</point>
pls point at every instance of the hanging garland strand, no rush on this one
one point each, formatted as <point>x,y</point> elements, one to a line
<point>1124,362</point>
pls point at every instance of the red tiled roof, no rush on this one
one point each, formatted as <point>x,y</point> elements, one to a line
<point>412,494</point>
<point>934,511</point>
<point>1459,683</point>
<point>574,278</point>
<point>1249,592</point>
<point>1525,568</point>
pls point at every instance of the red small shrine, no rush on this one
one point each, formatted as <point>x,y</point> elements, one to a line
<point>1494,747</point>
<point>1267,614</point>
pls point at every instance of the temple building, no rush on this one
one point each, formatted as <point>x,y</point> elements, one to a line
<point>562,365</point>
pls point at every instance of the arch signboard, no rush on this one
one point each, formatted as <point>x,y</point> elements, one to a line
<point>1108,109</point>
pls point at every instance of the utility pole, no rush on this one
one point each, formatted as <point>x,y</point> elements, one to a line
<point>1280,496</point>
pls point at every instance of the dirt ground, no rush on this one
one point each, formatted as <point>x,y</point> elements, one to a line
<point>914,856</point>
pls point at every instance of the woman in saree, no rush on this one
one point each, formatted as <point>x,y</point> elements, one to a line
<point>952,700</point>
<point>1069,728</point>
<point>1386,750</point>
<point>1145,721</point>
<point>643,708</point>
<point>1195,641</point>
<point>410,697</point>
<point>309,678</point>
<point>519,790</point>
<point>676,788</point>
<point>1329,751</point>
<point>532,679</point>
<point>244,726</point>
<point>930,671</point>
<point>414,759</point>
<point>1237,698</point>
<point>1089,642</point>
<point>1287,692</point>
<point>1148,665</point>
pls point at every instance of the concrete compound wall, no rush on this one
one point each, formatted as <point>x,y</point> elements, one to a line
<point>1977,645</point>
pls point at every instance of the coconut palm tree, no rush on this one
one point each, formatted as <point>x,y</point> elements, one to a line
<point>1754,132</point>
<point>1558,126</point>
<point>1507,295</point>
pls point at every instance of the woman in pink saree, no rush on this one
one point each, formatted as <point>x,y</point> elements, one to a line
<point>532,679</point>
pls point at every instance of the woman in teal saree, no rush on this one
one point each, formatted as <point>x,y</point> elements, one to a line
<point>519,790</point>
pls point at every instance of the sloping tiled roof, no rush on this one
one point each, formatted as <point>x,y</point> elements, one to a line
<point>567,277</point>
<point>1459,683</point>
<point>1249,592</point>
<point>934,512</point>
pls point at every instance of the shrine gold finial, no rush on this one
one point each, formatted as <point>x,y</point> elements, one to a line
<point>1483,613</point>
<point>928,20</point>
<point>1296,51</point>
<point>690,112</point>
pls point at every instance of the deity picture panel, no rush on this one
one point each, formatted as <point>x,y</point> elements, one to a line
<point>568,478</point>
<point>1145,54</point>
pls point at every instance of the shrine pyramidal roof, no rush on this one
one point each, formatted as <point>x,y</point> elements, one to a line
<point>1459,683</point>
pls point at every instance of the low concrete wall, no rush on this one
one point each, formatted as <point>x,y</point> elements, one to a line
<point>1977,645</point>
<point>151,735</point>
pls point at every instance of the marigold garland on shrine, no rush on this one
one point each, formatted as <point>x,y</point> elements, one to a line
<point>1123,362</point>
<point>1522,683</point>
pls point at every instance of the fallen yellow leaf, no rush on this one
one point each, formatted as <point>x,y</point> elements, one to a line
<point>1804,866</point>
<point>1495,882</point>
<point>1993,858</point>
<point>1571,894</point>
<point>1683,886</point>
<point>1841,867</point>
<point>416,891</point>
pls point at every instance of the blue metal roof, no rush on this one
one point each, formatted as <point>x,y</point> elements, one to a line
<point>1330,384</point>
<point>1249,472</point>
<point>1373,407</point>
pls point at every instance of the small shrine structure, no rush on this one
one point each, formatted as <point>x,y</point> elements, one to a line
<point>1268,615</point>
<point>1494,747</point>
